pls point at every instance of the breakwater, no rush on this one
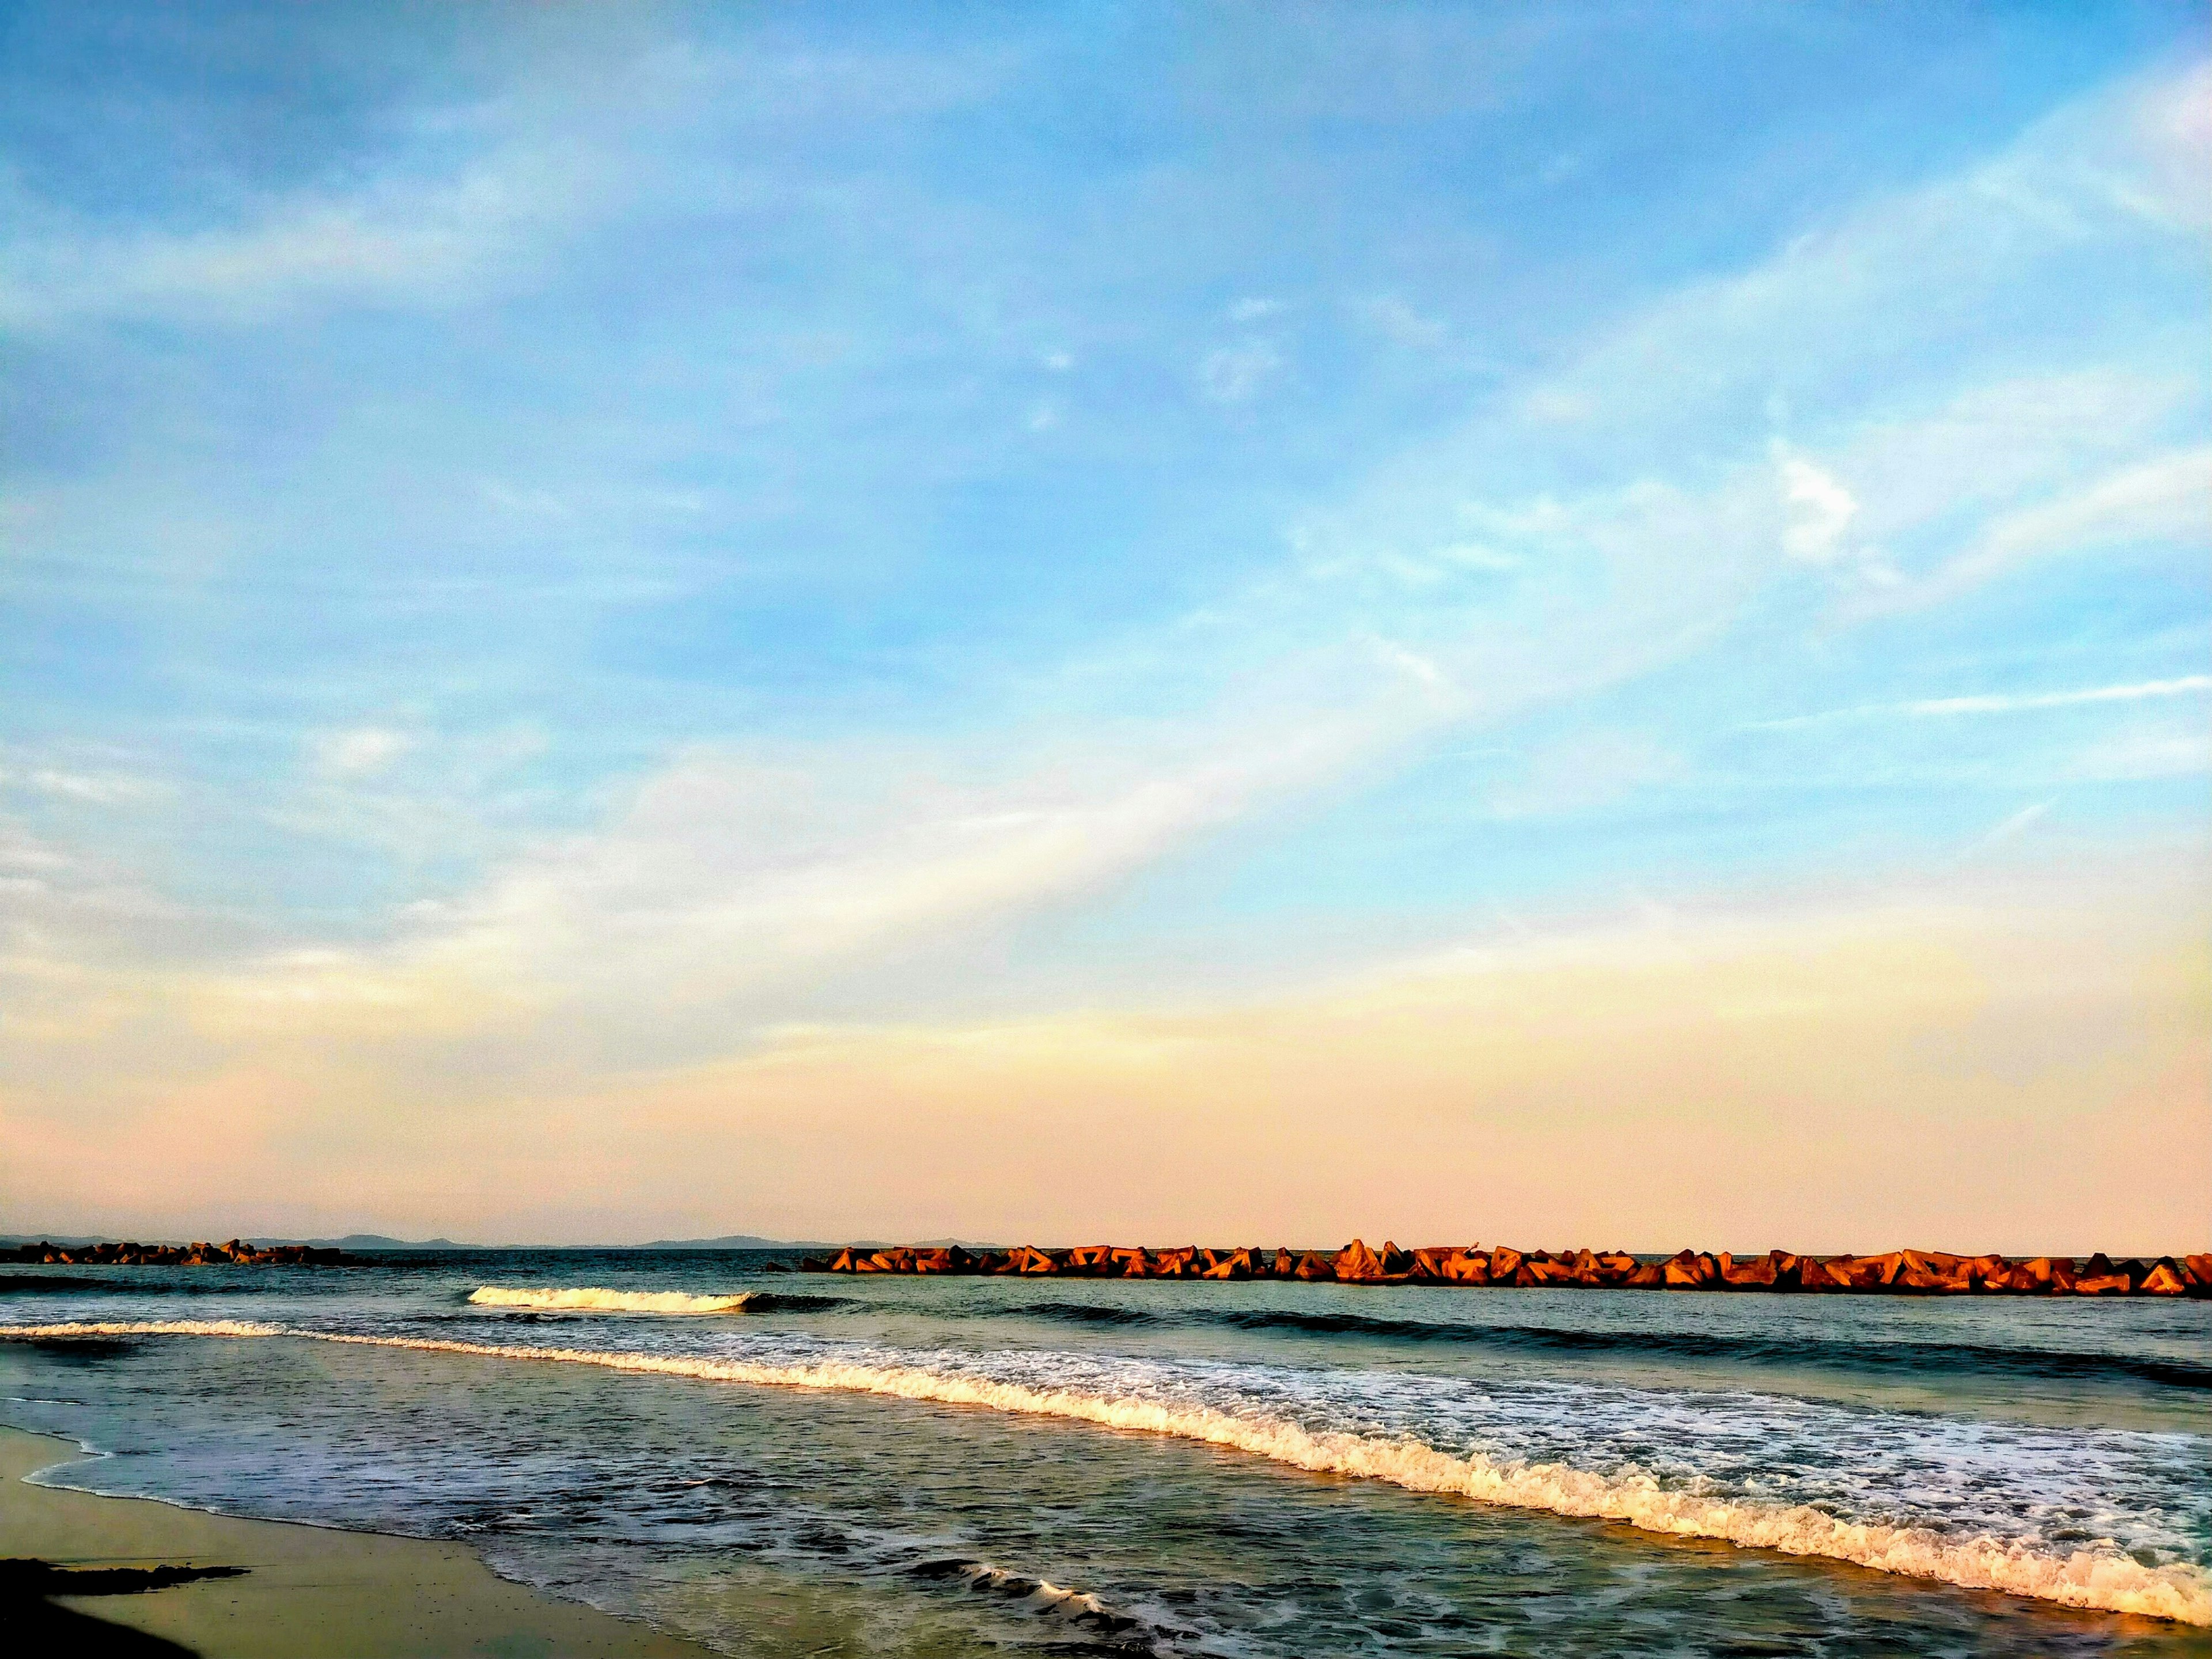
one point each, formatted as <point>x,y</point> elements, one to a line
<point>1927,1272</point>
<point>235,1253</point>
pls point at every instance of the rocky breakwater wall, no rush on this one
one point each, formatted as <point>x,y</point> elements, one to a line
<point>131,1254</point>
<point>1923,1273</point>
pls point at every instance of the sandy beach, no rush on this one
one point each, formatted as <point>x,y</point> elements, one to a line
<point>306,1592</point>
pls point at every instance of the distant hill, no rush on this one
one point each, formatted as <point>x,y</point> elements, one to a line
<point>728,1241</point>
<point>383,1242</point>
<point>350,1242</point>
<point>722,1242</point>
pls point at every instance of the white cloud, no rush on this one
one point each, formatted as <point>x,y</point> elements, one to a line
<point>1821,509</point>
<point>1999,703</point>
<point>1253,309</point>
<point>1415,665</point>
<point>1233,374</point>
<point>398,238</point>
<point>2145,755</point>
<point>2005,438</point>
<point>1399,322</point>
<point>96,789</point>
<point>1553,405</point>
<point>81,938</point>
<point>734,882</point>
<point>1905,464</point>
<point>731,884</point>
<point>2019,823</point>
<point>1898,283</point>
<point>89,775</point>
<point>729,878</point>
<point>363,752</point>
<point>2166,498</point>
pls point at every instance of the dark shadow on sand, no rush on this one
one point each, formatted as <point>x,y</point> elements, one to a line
<point>27,1615</point>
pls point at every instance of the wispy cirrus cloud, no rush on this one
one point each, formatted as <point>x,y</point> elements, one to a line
<point>1962,457</point>
<point>2164,501</point>
<point>93,788</point>
<point>1278,690</point>
<point>1234,374</point>
<point>730,887</point>
<point>1890,292</point>
<point>450,203</point>
<point>1997,703</point>
<point>395,240</point>
<point>2155,752</point>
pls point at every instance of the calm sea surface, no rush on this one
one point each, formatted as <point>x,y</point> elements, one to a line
<point>939,1467</point>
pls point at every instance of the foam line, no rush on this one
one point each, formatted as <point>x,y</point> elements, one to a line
<point>149,1328</point>
<point>2109,1582</point>
<point>591,1299</point>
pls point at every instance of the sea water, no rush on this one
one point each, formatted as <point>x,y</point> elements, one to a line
<point>775,1463</point>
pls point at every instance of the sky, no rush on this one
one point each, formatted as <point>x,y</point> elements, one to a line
<point>1562,625</point>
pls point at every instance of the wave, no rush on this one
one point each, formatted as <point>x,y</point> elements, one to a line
<point>1081,1313</point>
<point>147,1327</point>
<point>2083,1578</point>
<point>795,1302</point>
<point>590,1299</point>
<point>1124,1632</point>
<point>12,1284</point>
<point>1948,1358</point>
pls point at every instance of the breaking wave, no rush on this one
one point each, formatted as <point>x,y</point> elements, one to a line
<point>147,1327</point>
<point>2084,1578</point>
<point>590,1299</point>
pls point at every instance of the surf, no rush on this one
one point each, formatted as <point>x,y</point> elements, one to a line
<point>2097,1580</point>
<point>594,1299</point>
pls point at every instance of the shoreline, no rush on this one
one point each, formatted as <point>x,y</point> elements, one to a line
<point>2074,1578</point>
<point>306,1592</point>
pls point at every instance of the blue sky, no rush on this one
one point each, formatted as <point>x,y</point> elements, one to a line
<point>619,536</point>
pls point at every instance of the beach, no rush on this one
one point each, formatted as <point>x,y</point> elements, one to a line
<point>306,1592</point>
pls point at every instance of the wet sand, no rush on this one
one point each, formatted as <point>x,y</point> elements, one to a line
<point>307,1592</point>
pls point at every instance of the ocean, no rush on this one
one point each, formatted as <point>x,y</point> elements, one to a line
<point>783,1464</point>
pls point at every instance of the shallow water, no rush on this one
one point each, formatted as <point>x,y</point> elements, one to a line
<point>902,1465</point>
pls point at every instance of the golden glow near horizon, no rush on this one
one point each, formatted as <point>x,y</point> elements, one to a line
<point>1952,1071</point>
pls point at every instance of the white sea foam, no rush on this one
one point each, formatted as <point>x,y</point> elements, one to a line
<point>590,1299</point>
<point>149,1328</point>
<point>2082,1578</point>
<point>1040,1595</point>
